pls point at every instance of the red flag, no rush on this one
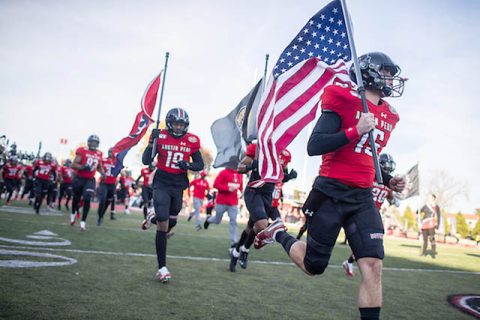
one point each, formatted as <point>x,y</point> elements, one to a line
<point>141,123</point>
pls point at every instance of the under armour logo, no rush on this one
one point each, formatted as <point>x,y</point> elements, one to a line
<point>183,143</point>
<point>309,213</point>
<point>383,115</point>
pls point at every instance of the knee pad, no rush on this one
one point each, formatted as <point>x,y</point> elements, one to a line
<point>317,256</point>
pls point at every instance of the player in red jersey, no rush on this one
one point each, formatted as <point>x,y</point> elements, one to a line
<point>177,152</point>
<point>341,194</point>
<point>107,188</point>
<point>147,192</point>
<point>88,160</point>
<point>28,187</point>
<point>10,173</point>
<point>66,179</point>
<point>200,188</point>
<point>262,204</point>
<point>380,193</point>
<point>126,185</point>
<point>43,170</point>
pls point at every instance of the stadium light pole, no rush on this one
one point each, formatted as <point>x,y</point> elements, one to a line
<point>361,90</point>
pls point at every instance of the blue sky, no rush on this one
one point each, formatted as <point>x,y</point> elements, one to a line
<point>72,68</point>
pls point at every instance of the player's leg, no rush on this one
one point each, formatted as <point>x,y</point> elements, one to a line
<point>365,232</point>
<point>9,187</point>
<point>161,202</point>
<point>111,200</point>
<point>232,212</point>
<point>219,211</point>
<point>60,195</point>
<point>102,202</point>
<point>197,205</point>
<point>302,230</point>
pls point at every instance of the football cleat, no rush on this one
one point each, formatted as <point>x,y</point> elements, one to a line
<point>72,219</point>
<point>147,223</point>
<point>163,275</point>
<point>83,226</point>
<point>233,260</point>
<point>189,217</point>
<point>206,224</point>
<point>268,234</point>
<point>243,259</point>
<point>198,228</point>
<point>348,267</point>
<point>170,234</point>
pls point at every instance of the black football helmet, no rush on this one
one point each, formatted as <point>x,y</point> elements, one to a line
<point>380,73</point>
<point>47,157</point>
<point>13,159</point>
<point>67,163</point>
<point>176,116</point>
<point>386,163</point>
<point>93,142</point>
<point>111,155</point>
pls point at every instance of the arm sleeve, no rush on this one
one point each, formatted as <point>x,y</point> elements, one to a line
<point>197,161</point>
<point>147,156</point>
<point>327,137</point>
<point>386,178</point>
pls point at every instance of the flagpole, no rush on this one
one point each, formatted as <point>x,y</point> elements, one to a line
<point>154,149</point>
<point>266,67</point>
<point>361,90</point>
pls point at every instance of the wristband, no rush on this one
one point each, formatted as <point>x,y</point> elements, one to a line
<point>352,133</point>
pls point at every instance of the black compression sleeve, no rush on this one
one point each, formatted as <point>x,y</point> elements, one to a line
<point>147,156</point>
<point>386,178</point>
<point>326,136</point>
<point>197,162</point>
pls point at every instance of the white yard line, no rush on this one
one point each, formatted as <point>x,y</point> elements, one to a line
<point>133,254</point>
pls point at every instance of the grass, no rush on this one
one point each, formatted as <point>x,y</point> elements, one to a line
<point>108,282</point>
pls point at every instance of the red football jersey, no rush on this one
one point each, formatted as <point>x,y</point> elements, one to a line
<point>29,171</point>
<point>90,157</point>
<point>67,174</point>
<point>145,173</point>
<point>44,169</point>
<point>380,192</point>
<point>352,164</point>
<point>108,165</point>
<point>199,187</point>
<point>171,150</point>
<point>12,171</point>
<point>126,182</point>
<point>277,194</point>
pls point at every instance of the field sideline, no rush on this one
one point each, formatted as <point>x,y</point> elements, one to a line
<point>112,276</point>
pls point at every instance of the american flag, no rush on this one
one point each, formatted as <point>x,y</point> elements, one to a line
<point>316,57</point>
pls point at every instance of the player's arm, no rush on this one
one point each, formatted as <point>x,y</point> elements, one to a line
<point>287,176</point>
<point>76,162</point>
<point>247,164</point>
<point>147,157</point>
<point>221,183</point>
<point>327,136</point>
<point>101,169</point>
<point>197,163</point>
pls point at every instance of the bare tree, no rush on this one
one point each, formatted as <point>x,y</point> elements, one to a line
<point>449,190</point>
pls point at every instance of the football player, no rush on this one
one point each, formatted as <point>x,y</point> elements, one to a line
<point>200,188</point>
<point>147,192</point>
<point>88,160</point>
<point>346,177</point>
<point>380,192</point>
<point>177,151</point>
<point>126,185</point>
<point>66,179</point>
<point>43,170</point>
<point>11,171</point>
<point>106,190</point>
<point>242,248</point>
<point>28,186</point>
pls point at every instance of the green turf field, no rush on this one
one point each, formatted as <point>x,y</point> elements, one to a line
<point>113,277</point>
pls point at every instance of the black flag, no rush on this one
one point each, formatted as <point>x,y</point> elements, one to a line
<point>412,186</point>
<point>227,132</point>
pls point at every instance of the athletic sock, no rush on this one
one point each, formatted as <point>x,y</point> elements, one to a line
<point>285,240</point>
<point>370,313</point>
<point>250,239</point>
<point>161,246</point>
<point>241,242</point>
